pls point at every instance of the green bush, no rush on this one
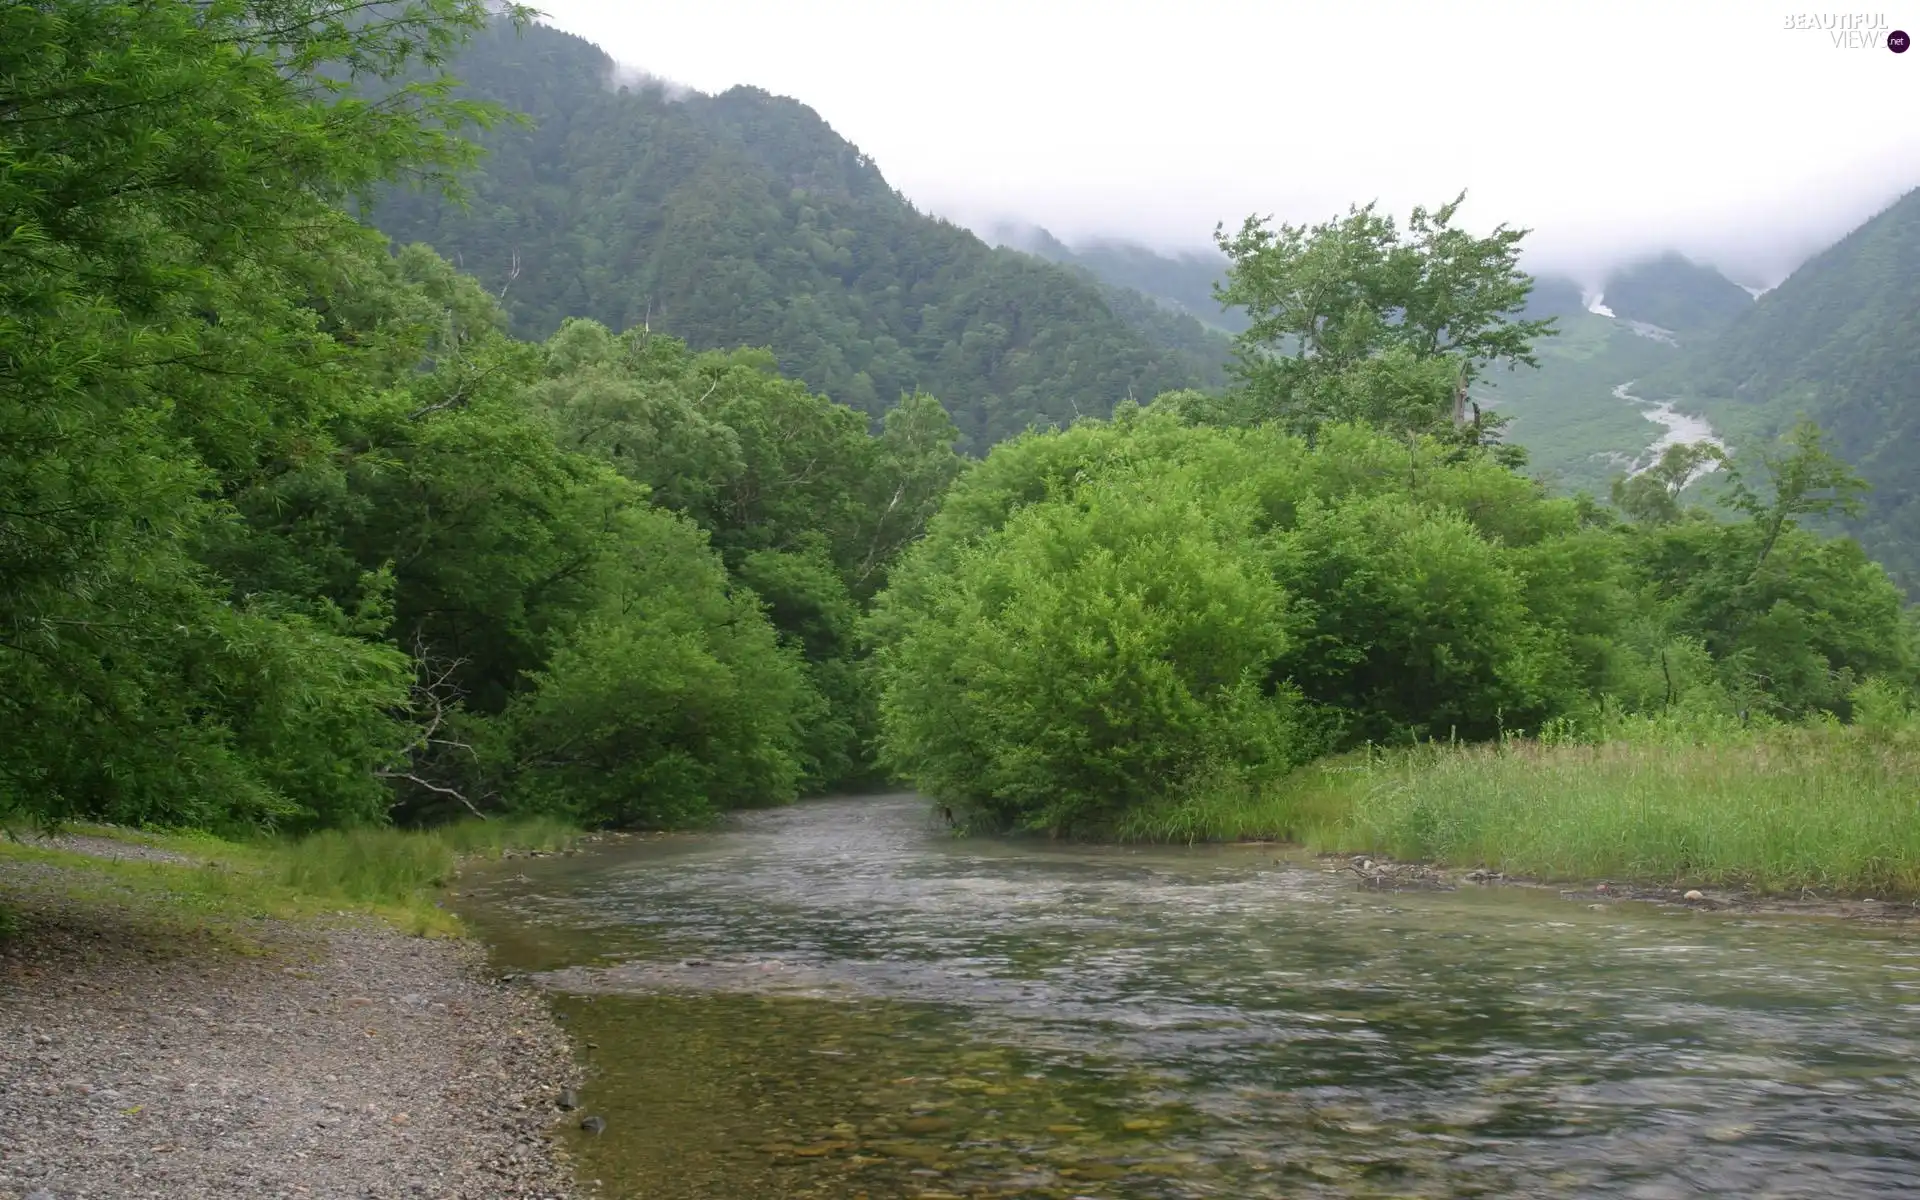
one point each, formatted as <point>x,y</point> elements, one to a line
<point>671,703</point>
<point>1094,653</point>
<point>1099,618</point>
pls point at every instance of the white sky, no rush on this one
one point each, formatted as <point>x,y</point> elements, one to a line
<point>1610,128</point>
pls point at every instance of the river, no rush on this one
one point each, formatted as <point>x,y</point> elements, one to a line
<point>1682,429</point>
<point>841,1000</point>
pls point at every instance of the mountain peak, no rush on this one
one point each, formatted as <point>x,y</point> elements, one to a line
<point>1674,292</point>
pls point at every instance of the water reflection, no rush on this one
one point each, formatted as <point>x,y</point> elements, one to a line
<point>837,1000</point>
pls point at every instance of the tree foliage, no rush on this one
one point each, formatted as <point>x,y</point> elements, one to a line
<point>168,181</point>
<point>1333,553</point>
<point>1355,319</point>
<point>293,533</point>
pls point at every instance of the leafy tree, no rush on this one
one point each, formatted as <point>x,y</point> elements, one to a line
<point>1405,591</point>
<point>805,504</point>
<point>1653,496</point>
<point>1806,479</point>
<point>669,703</point>
<point>1792,636</point>
<point>286,537</point>
<point>1090,655</point>
<point>1791,620</point>
<point>168,173</point>
<point>1352,319</point>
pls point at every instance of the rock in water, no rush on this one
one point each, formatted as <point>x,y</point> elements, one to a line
<point>1693,895</point>
<point>594,1124</point>
<point>569,1099</point>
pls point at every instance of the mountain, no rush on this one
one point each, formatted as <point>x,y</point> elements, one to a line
<point>1838,343</point>
<point>1555,296</point>
<point>1182,282</point>
<point>744,219</point>
<point>1675,293</point>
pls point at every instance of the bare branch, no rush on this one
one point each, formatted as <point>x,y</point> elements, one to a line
<point>435,788</point>
<point>431,702</point>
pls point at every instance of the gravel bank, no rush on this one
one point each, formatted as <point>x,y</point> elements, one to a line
<point>263,1058</point>
<point>100,847</point>
<point>1380,872</point>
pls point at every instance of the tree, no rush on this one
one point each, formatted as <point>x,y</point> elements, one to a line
<point>1100,616</point>
<point>1790,619</point>
<point>1652,497</point>
<point>1092,655</point>
<point>1805,479</point>
<point>670,701</point>
<point>1416,315</point>
<point>806,506</point>
<point>169,181</point>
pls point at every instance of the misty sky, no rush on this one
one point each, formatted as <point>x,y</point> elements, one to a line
<point>1609,128</point>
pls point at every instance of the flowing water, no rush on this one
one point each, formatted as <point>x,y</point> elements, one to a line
<point>1683,429</point>
<point>840,1000</point>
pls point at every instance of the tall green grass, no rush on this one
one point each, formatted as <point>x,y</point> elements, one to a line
<point>395,866</point>
<point>1824,806</point>
<point>393,873</point>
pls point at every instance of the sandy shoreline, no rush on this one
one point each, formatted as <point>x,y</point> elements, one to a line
<point>264,1058</point>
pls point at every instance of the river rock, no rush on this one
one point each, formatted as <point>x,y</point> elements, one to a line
<point>595,1124</point>
<point>1694,895</point>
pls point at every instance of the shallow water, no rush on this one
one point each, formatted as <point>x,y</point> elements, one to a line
<point>840,1000</point>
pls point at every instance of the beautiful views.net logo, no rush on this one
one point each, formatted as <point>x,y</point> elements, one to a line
<point>1852,31</point>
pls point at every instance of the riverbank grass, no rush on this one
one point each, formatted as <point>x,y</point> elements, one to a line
<point>394,874</point>
<point>1827,808</point>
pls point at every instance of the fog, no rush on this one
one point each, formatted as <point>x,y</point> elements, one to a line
<point>1612,130</point>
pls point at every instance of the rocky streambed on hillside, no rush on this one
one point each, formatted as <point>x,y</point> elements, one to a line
<point>149,1058</point>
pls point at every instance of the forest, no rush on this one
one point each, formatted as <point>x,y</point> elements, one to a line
<point>302,526</point>
<point>296,535</point>
<point>744,219</point>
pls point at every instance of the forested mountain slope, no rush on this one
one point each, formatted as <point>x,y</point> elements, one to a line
<point>1555,296</point>
<point>1839,343</point>
<point>744,219</point>
<point>1183,282</point>
<point>1675,293</point>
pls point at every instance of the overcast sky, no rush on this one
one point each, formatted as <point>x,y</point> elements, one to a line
<point>1610,128</point>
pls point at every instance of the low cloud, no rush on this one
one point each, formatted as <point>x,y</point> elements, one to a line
<point>1612,128</point>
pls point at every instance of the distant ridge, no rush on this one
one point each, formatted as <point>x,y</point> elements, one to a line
<point>1838,342</point>
<point>744,219</point>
